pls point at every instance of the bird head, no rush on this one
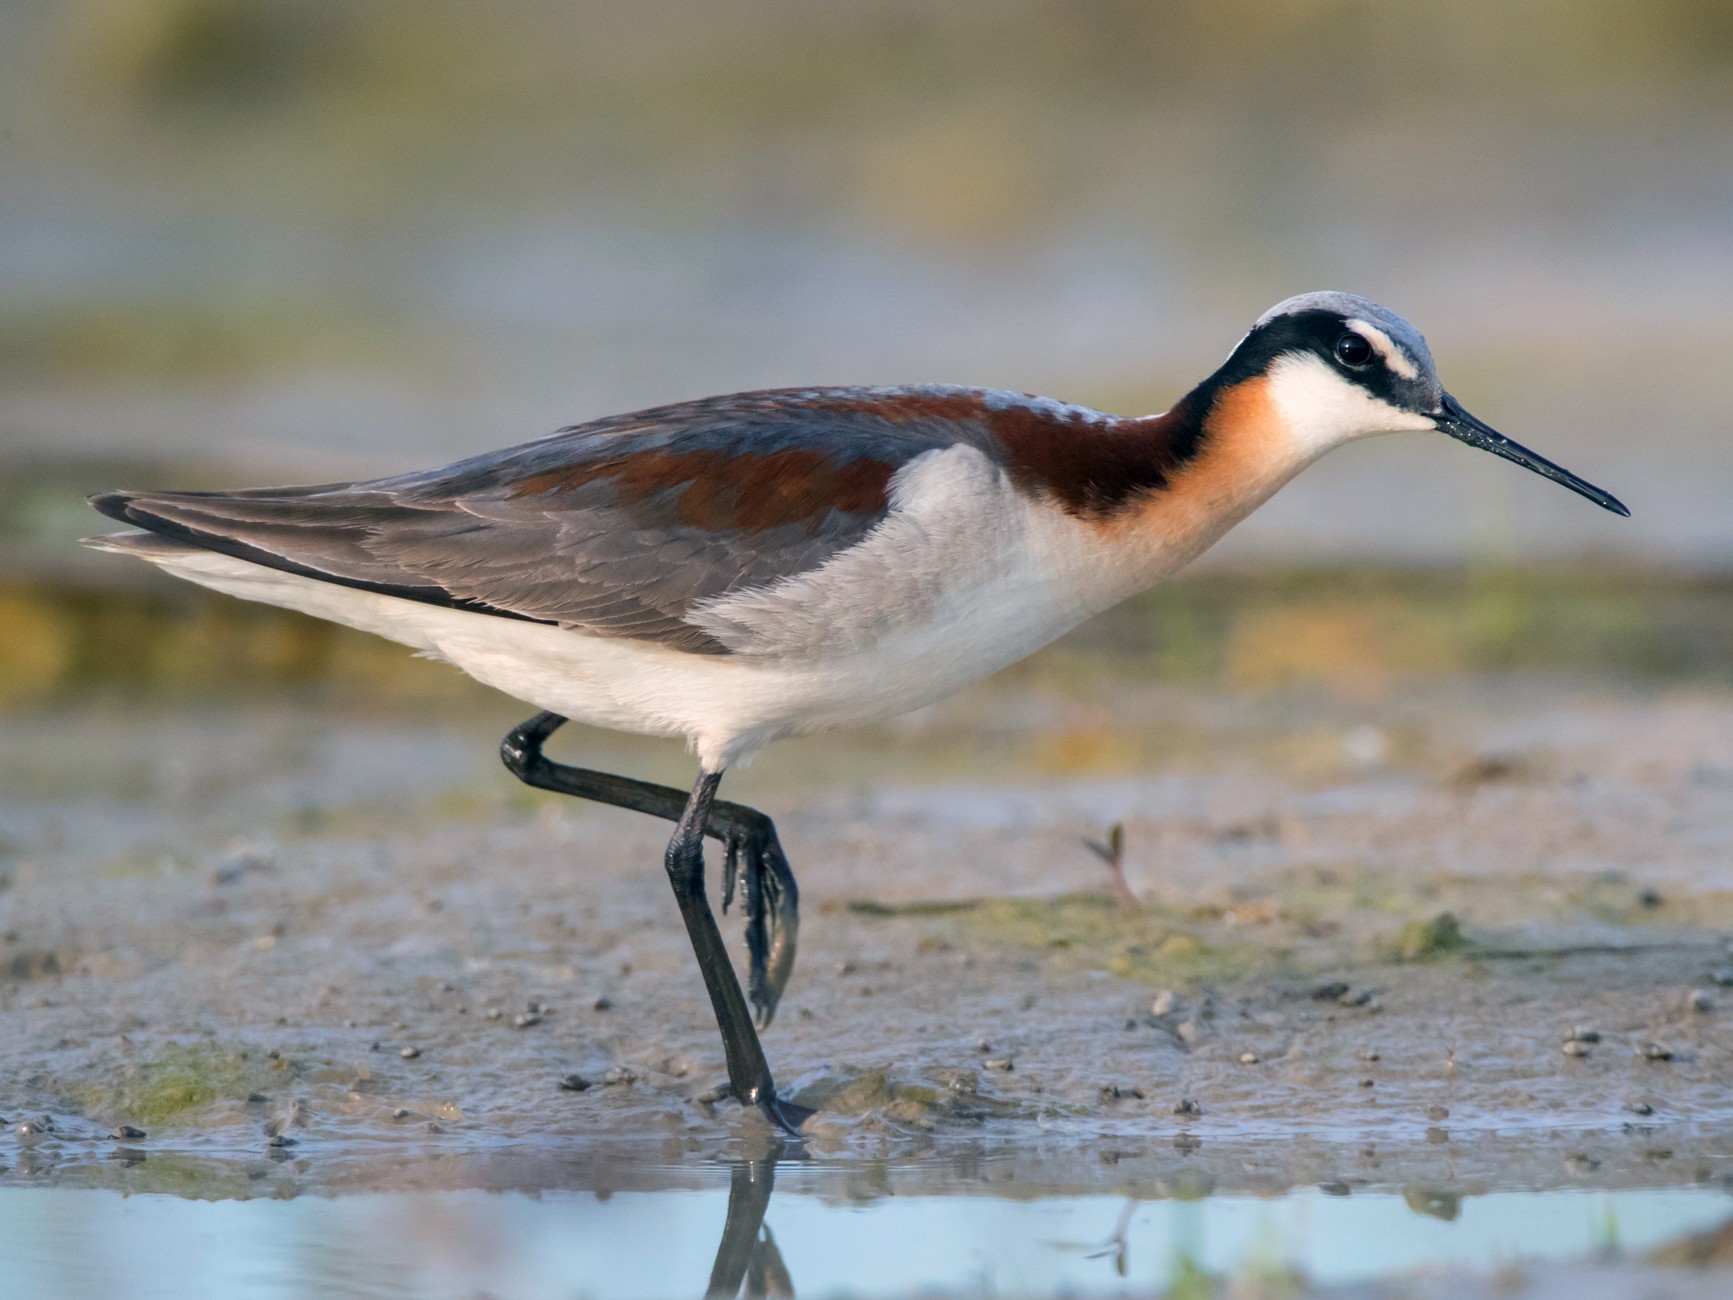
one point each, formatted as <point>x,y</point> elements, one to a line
<point>1339,367</point>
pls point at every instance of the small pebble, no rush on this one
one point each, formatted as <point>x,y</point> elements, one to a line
<point>256,1099</point>
<point>574,1083</point>
<point>494,1013</point>
<point>1186,1031</point>
<point>1649,898</point>
<point>1436,1113</point>
<point>1654,1052</point>
<point>999,1063</point>
<point>1249,1058</point>
<point>409,1053</point>
<point>1330,992</point>
<point>710,1096</point>
<point>845,968</point>
<point>1164,1003</point>
<point>1370,1054</point>
<point>127,1133</point>
<point>1583,1034</point>
<point>1639,1108</point>
<point>1186,1106</point>
<point>1574,1047</point>
<point>602,1004</point>
<point>535,1008</point>
<point>281,1140</point>
<point>1355,998</point>
<point>434,1128</point>
<point>1723,976</point>
<point>525,1019</point>
<point>1115,1091</point>
<point>1699,1000</point>
<point>400,1113</point>
<point>620,1074</point>
<point>1368,1083</point>
<point>982,1045</point>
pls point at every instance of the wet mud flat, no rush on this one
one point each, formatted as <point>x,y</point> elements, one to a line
<point>1410,951</point>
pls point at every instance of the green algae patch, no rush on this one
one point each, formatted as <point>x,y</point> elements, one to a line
<point>175,1082</point>
<point>1335,915</point>
<point>919,907</point>
<point>1147,943</point>
<point>873,1095</point>
<point>869,1091</point>
<point>1438,936</point>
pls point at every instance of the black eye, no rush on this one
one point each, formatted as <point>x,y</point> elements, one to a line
<point>1352,350</point>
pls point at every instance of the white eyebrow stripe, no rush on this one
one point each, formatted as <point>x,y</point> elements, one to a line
<point>1394,357</point>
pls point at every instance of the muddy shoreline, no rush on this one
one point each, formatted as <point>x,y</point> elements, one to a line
<point>263,931</point>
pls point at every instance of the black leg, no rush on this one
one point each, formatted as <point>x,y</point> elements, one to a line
<point>772,899</point>
<point>748,1073</point>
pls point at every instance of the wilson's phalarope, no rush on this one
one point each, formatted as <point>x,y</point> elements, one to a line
<point>768,564</point>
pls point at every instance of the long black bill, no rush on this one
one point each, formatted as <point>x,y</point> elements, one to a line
<point>1458,423</point>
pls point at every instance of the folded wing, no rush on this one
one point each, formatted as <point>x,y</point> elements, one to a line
<point>614,528</point>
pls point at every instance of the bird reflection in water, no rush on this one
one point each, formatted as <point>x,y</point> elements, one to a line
<point>747,1256</point>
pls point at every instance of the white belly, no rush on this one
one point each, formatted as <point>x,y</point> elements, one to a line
<point>726,706</point>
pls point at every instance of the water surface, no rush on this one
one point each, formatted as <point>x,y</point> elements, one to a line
<point>816,1234</point>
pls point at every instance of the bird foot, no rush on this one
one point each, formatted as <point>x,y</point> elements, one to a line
<point>755,862</point>
<point>784,1115</point>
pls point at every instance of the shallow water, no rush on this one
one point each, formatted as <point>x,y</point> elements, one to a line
<point>816,1230</point>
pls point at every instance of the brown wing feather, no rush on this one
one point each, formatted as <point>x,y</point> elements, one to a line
<point>616,527</point>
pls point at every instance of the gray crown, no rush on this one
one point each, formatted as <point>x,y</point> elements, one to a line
<point>1354,307</point>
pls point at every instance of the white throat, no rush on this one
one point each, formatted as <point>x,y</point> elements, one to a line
<point>1322,410</point>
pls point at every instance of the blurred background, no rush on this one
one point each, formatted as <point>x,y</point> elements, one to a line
<point>303,240</point>
<point>256,241</point>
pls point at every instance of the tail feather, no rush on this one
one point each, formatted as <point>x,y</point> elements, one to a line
<point>281,528</point>
<point>140,543</point>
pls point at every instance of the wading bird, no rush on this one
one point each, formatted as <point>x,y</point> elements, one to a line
<point>769,564</point>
